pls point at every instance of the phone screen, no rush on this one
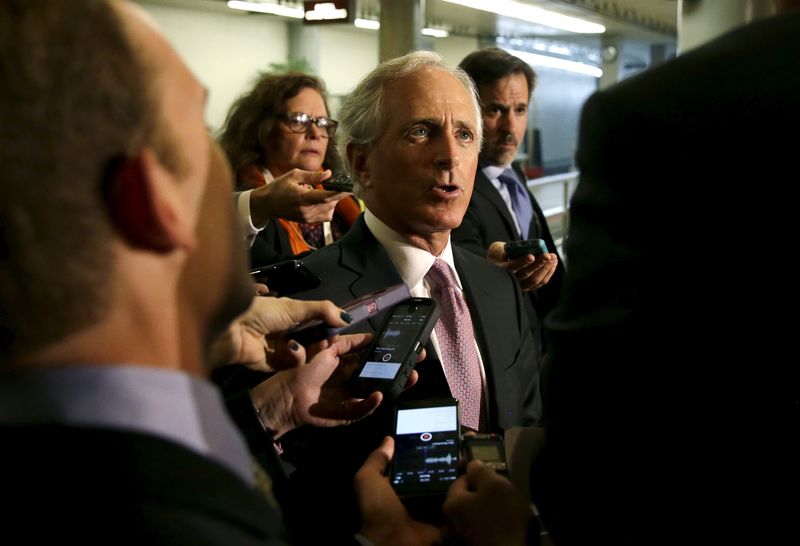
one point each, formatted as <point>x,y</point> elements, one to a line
<point>426,449</point>
<point>391,348</point>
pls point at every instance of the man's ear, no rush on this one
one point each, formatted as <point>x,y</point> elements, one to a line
<point>357,155</point>
<point>142,209</point>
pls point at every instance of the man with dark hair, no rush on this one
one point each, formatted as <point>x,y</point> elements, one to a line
<point>502,209</point>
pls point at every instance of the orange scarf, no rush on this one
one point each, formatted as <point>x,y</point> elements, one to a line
<point>348,208</point>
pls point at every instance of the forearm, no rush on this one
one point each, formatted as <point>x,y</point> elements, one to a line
<point>273,402</point>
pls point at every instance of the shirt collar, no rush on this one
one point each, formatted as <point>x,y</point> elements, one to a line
<point>165,403</point>
<point>493,172</point>
<point>411,261</point>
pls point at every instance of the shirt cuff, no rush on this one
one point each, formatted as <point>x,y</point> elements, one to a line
<point>243,207</point>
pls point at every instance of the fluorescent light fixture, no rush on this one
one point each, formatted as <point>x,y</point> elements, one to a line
<point>369,24</point>
<point>532,14</point>
<point>435,32</point>
<point>554,62</point>
<point>325,12</point>
<point>273,9</point>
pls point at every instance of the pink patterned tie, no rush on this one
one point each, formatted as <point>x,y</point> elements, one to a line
<point>457,344</point>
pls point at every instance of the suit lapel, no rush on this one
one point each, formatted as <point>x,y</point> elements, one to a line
<point>365,256</point>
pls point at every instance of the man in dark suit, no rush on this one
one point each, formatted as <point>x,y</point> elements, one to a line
<point>414,161</point>
<point>502,208</point>
<point>671,410</point>
<point>111,431</point>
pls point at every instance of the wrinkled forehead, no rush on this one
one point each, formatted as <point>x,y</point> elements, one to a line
<point>429,92</point>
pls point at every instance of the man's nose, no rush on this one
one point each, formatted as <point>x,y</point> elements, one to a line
<point>449,152</point>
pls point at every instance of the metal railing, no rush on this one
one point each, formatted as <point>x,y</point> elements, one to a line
<point>554,200</point>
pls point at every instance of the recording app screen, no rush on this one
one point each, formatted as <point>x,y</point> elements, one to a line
<point>426,447</point>
<point>392,345</point>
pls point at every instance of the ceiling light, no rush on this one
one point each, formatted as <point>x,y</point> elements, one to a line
<point>326,12</point>
<point>370,24</point>
<point>554,62</point>
<point>525,12</point>
<point>435,32</point>
<point>273,9</point>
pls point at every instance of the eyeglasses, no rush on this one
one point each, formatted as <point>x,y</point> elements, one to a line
<point>300,122</point>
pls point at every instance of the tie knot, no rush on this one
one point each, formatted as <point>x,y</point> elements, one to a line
<point>440,274</point>
<point>508,177</point>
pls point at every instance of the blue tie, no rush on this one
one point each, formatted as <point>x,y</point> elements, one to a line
<point>520,200</point>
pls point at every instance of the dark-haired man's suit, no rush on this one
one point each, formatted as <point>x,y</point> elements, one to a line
<point>488,220</point>
<point>357,265</point>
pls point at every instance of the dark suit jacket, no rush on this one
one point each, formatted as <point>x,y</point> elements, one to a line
<point>90,486</point>
<point>668,392</point>
<point>488,220</point>
<point>357,265</point>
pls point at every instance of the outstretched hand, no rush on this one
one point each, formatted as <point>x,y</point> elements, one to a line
<point>255,338</point>
<point>384,519</point>
<point>531,271</point>
<point>484,509</point>
<point>292,196</point>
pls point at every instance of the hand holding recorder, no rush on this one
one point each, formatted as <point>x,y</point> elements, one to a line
<point>528,260</point>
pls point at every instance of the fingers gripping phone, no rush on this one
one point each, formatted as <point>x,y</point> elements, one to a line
<point>360,309</point>
<point>285,278</point>
<point>427,447</point>
<point>515,249</point>
<point>388,361</point>
<point>338,182</point>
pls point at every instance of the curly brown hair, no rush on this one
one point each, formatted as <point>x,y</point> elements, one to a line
<point>252,117</point>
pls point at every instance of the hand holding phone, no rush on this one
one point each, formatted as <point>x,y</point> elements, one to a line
<point>359,309</point>
<point>388,362</point>
<point>515,249</point>
<point>338,182</point>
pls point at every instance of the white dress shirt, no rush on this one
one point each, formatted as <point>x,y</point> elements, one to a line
<point>493,173</point>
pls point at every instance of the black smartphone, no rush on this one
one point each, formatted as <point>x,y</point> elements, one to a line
<point>285,278</point>
<point>338,182</point>
<point>427,447</point>
<point>360,309</point>
<point>488,448</point>
<point>515,249</point>
<point>387,363</point>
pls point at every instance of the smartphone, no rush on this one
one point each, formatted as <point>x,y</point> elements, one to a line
<point>488,448</point>
<point>360,309</point>
<point>285,278</point>
<point>427,447</point>
<point>387,363</point>
<point>515,249</point>
<point>338,182</point>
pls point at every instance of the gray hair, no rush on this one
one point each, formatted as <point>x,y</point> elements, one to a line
<point>362,115</point>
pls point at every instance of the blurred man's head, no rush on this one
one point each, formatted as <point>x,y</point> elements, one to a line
<point>412,130</point>
<point>108,164</point>
<point>505,84</point>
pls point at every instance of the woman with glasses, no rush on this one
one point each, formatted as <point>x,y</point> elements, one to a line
<point>280,142</point>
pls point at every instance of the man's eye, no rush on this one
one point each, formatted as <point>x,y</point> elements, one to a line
<point>418,132</point>
<point>465,136</point>
<point>521,110</point>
